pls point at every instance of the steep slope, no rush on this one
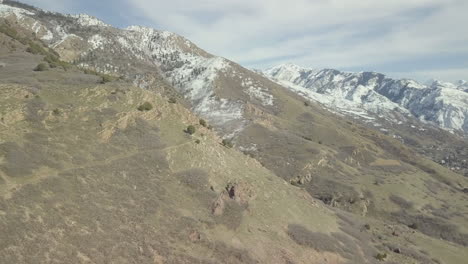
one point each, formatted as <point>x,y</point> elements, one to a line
<point>347,166</point>
<point>369,93</point>
<point>88,176</point>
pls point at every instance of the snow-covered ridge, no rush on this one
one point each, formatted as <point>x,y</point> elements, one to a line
<point>87,20</point>
<point>190,70</point>
<point>7,10</point>
<point>148,30</point>
<point>257,92</point>
<point>194,73</point>
<point>370,93</point>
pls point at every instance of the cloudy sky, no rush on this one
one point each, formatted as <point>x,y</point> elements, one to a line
<point>418,39</point>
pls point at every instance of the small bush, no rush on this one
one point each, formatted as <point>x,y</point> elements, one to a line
<point>190,130</point>
<point>56,111</point>
<point>197,141</point>
<point>381,256</point>
<point>35,48</point>
<point>227,143</point>
<point>7,30</point>
<point>91,72</point>
<point>55,62</point>
<point>203,122</point>
<point>146,106</point>
<point>41,67</point>
<point>306,103</point>
<point>172,100</point>
<point>106,78</point>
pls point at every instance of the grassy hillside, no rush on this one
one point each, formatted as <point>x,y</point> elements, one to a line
<point>87,176</point>
<point>95,170</point>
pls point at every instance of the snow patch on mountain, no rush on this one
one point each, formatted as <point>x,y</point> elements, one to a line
<point>336,105</point>
<point>257,92</point>
<point>88,21</point>
<point>260,94</point>
<point>6,10</point>
<point>191,74</point>
<point>96,41</point>
<point>60,35</point>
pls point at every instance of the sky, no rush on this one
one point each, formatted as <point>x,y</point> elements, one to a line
<point>418,39</point>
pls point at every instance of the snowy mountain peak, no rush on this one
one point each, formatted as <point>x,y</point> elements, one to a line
<point>288,71</point>
<point>287,67</point>
<point>369,93</point>
<point>440,84</point>
<point>462,85</point>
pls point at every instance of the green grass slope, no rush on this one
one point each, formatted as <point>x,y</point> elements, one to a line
<point>89,176</point>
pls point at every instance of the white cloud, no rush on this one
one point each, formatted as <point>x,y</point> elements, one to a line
<point>450,74</point>
<point>316,33</point>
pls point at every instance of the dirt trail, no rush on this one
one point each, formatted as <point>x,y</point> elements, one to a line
<point>10,186</point>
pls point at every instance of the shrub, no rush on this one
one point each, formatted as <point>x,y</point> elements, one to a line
<point>172,100</point>
<point>41,67</point>
<point>88,71</point>
<point>7,30</point>
<point>381,256</point>
<point>306,103</point>
<point>32,50</point>
<point>197,141</point>
<point>146,106</point>
<point>55,62</point>
<point>227,143</point>
<point>190,130</point>
<point>56,111</point>
<point>35,49</point>
<point>106,78</point>
<point>203,122</point>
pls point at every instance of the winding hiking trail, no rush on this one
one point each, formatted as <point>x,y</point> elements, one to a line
<point>10,186</point>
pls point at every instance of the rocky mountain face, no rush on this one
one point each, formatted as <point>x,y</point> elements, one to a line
<point>265,177</point>
<point>369,94</point>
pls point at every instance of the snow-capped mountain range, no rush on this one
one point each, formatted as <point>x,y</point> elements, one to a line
<point>370,94</point>
<point>219,89</point>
